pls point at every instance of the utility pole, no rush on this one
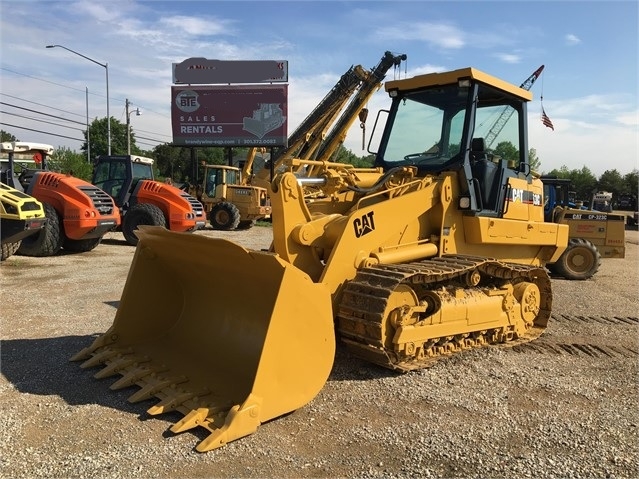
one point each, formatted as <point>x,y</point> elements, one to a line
<point>128,125</point>
<point>88,134</point>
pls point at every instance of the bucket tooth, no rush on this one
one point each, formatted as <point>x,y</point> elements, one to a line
<point>192,420</point>
<point>241,421</point>
<point>133,376</point>
<point>83,354</point>
<point>174,400</point>
<point>116,365</point>
<point>155,386</point>
<point>100,358</point>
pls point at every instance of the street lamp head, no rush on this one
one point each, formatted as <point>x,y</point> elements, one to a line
<point>50,46</point>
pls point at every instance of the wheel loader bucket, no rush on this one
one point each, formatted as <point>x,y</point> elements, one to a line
<point>229,337</point>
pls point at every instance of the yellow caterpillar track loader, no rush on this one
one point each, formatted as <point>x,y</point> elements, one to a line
<point>442,251</point>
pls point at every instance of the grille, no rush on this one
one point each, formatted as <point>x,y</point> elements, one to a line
<point>31,206</point>
<point>197,207</point>
<point>101,201</point>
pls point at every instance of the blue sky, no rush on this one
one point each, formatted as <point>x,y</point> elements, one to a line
<point>589,49</point>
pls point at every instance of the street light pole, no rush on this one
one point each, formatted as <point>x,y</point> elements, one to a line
<point>106,67</point>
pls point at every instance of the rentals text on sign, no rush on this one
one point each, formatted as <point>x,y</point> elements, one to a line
<point>241,115</point>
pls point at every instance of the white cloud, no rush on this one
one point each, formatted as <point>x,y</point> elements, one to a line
<point>101,12</point>
<point>508,57</point>
<point>424,69</point>
<point>437,34</point>
<point>578,143</point>
<point>196,26</point>
<point>629,118</point>
<point>572,39</point>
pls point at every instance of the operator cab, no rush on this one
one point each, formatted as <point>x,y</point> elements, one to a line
<point>556,193</point>
<point>118,175</point>
<point>464,121</point>
<point>217,175</point>
<point>30,158</point>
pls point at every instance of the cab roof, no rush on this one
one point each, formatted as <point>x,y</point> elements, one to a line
<point>25,147</point>
<point>451,77</point>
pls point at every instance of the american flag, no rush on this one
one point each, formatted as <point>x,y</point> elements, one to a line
<point>545,120</point>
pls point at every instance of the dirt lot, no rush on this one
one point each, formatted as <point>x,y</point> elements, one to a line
<point>562,406</point>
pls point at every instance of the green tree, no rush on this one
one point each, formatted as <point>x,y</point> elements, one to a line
<point>64,160</point>
<point>583,181</point>
<point>631,183</point>
<point>611,180</point>
<point>6,136</point>
<point>98,137</point>
<point>507,151</point>
<point>533,160</point>
<point>344,155</point>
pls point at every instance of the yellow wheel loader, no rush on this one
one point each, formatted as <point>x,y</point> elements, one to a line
<point>230,203</point>
<point>440,250</point>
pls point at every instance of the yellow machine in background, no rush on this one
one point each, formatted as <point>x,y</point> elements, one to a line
<point>229,202</point>
<point>439,248</point>
<point>592,234</point>
<point>20,216</point>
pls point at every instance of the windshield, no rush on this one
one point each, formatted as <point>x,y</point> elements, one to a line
<point>142,171</point>
<point>427,129</point>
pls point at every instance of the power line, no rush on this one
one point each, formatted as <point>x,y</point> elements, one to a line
<point>150,139</point>
<point>41,121</point>
<point>41,113</point>
<point>40,104</point>
<point>78,89</point>
<point>63,126</point>
<point>42,80</point>
<point>40,131</point>
<point>153,133</point>
<point>155,141</point>
<point>66,119</point>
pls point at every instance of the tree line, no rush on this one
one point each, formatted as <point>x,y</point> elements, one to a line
<point>178,163</point>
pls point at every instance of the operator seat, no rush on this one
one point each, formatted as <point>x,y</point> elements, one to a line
<point>478,149</point>
<point>112,187</point>
<point>485,172</point>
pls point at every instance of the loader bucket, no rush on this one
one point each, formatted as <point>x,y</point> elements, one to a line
<point>229,337</point>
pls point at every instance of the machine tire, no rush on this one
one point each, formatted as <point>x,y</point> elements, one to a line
<point>580,261</point>
<point>81,246</point>
<point>50,238</point>
<point>9,249</point>
<point>141,214</point>
<point>224,216</point>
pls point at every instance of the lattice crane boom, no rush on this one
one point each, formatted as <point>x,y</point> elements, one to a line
<point>507,112</point>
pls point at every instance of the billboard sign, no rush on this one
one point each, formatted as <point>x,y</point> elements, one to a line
<point>202,71</point>
<point>232,115</point>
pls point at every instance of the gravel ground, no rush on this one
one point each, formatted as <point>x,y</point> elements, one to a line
<point>562,406</point>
